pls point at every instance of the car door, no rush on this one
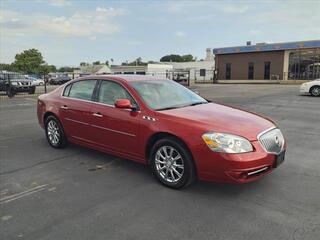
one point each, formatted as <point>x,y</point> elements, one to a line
<point>114,128</point>
<point>76,109</point>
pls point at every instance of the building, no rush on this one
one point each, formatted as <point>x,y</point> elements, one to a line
<point>153,69</point>
<point>92,69</point>
<point>209,55</point>
<point>202,71</point>
<point>197,71</point>
<point>277,61</point>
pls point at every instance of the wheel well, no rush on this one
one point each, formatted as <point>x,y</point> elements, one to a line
<point>314,87</point>
<point>160,135</point>
<point>46,115</point>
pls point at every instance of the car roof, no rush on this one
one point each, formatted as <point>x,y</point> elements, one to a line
<point>123,77</point>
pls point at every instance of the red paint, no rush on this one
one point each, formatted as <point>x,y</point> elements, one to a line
<point>125,133</point>
<point>123,103</point>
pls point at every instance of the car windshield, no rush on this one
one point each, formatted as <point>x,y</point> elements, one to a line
<point>166,94</point>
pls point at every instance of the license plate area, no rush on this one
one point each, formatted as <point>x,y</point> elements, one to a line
<point>279,159</point>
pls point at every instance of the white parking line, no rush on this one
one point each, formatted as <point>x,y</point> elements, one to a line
<point>22,194</point>
<point>32,99</point>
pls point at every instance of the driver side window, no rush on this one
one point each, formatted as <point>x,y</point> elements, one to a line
<point>110,92</point>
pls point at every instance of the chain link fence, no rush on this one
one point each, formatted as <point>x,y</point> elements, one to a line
<point>180,76</point>
<point>14,84</point>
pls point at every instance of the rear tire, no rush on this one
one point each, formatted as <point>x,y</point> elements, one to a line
<point>55,133</point>
<point>315,91</point>
<point>172,164</point>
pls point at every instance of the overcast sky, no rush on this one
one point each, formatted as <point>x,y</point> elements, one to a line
<point>69,32</point>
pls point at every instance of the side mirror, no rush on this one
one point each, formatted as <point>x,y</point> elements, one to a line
<point>123,103</point>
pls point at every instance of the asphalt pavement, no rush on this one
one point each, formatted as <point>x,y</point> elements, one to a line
<point>78,193</point>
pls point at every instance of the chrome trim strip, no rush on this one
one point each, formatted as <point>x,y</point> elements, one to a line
<point>72,120</point>
<point>111,130</point>
<point>265,131</point>
<point>108,129</point>
<point>257,171</point>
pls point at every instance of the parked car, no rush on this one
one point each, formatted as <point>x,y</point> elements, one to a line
<point>13,83</point>
<point>179,134</point>
<point>59,80</point>
<point>36,81</point>
<point>312,87</point>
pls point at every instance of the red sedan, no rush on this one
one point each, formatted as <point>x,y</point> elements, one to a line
<point>158,122</point>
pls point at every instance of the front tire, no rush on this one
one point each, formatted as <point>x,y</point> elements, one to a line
<point>172,164</point>
<point>54,132</point>
<point>315,91</point>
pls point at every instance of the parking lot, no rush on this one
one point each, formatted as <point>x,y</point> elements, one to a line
<point>78,193</point>
<point>39,90</point>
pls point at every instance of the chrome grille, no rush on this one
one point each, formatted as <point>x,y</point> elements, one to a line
<point>272,141</point>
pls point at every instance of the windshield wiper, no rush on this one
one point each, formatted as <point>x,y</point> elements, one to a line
<point>197,103</point>
<point>167,108</point>
<point>192,104</point>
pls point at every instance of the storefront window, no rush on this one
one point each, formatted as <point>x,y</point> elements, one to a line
<point>304,64</point>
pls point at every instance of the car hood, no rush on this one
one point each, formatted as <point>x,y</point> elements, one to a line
<point>220,118</point>
<point>317,81</point>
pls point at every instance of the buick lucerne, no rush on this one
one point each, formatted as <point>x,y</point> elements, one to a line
<point>158,122</point>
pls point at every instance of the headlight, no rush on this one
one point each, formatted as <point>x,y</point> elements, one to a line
<point>227,143</point>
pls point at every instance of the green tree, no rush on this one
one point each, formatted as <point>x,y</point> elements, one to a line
<point>8,67</point>
<point>187,58</point>
<point>45,69</point>
<point>171,58</point>
<point>65,69</point>
<point>96,63</point>
<point>137,62</point>
<point>29,61</point>
<point>177,58</point>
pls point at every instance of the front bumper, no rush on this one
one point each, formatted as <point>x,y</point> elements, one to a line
<point>23,88</point>
<point>304,90</point>
<point>235,168</point>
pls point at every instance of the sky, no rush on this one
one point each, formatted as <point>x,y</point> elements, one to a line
<point>68,32</point>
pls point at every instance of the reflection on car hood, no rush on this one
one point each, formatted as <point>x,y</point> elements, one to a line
<point>221,118</point>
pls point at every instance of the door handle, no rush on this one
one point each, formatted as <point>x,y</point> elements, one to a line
<point>64,107</point>
<point>97,114</point>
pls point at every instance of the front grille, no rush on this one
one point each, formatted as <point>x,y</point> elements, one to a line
<point>272,141</point>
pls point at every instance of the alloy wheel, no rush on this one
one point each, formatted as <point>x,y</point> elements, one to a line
<point>169,164</point>
<point>53,132</point>
<point>315,91</point>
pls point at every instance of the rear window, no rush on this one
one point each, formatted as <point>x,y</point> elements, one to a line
<point>82,89</point>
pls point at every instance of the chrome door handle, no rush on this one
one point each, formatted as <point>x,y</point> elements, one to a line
<point>97,114</point>
<point>64,107</point>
